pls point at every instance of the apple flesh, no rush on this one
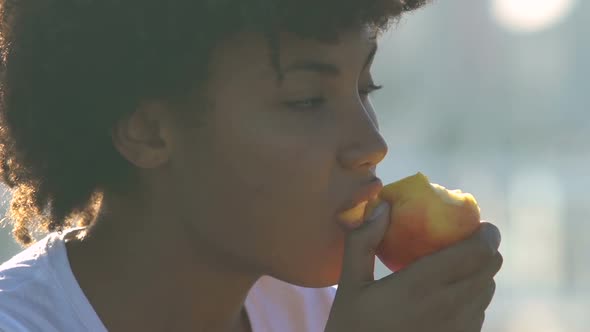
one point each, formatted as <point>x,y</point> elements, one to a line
<point>425,218</point>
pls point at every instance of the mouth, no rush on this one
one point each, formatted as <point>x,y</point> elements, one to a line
<point>352,212</point>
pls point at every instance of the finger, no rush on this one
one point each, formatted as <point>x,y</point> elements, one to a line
<point>359,249</point>
<point>469,324</point>
<point>485,298</point>
<point>472,317</point>
<point>472,295</point>
<point>488,271</point>
<point>482,300</point>
<point>479,321</point>
<point>479,284</point>
<point>460,260</point>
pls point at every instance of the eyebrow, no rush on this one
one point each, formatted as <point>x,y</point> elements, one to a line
<point>323,68</point>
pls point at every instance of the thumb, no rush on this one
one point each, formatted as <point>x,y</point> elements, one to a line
<point>360,246</point>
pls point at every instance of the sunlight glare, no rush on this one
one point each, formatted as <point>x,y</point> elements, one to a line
<point>530,15</point>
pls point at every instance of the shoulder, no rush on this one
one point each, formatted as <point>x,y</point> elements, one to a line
<point>279,305</point>
<point>31,296</point>
<point>22,287</point>
<point>24,269</point>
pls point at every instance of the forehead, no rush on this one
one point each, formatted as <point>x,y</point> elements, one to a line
<point>248,53</point>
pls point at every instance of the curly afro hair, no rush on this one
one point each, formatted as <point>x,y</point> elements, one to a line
<point>69,69</point>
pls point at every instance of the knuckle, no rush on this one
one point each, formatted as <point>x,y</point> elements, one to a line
<point>499,261</point>
<point>488,296</point>
<point>493,266</point>
<point>492,289</point>
<point>479,321</point>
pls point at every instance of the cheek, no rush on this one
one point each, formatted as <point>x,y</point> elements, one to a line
<point>277,187</point>
<point>280,207</point>
<point>270,168</point>
<point>272,174</point>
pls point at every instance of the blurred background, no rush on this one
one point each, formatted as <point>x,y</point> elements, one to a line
<point>491,96</point>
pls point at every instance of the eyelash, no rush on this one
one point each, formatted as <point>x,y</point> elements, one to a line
<point>318,101</point>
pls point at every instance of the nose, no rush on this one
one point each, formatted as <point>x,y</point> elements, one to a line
<point>363,146</point>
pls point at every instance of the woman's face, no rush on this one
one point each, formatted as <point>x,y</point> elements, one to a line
<point>268,164</point>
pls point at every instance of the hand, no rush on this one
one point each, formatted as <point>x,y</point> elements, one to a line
<point>448,291</point>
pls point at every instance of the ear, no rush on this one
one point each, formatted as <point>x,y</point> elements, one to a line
<point>139,136</point>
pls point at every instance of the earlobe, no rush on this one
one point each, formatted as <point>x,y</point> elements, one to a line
<point>138,138</point>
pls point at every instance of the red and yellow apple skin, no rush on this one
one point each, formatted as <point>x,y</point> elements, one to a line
<point>425,218</point>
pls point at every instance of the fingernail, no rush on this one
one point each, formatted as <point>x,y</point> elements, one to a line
<point>378,211</point>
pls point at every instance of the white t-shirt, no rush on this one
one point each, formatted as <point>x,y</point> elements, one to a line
<point>39,293</point>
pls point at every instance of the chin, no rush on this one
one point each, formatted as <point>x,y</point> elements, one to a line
<point>312,277</point>
<point>311,283</point>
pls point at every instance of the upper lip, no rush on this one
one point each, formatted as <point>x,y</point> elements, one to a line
<point>366,192</point>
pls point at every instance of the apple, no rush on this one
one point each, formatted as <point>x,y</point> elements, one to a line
<point>425,218</point>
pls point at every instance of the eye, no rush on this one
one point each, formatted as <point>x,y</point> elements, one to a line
<point>364,93</point>
<point>314,103</point>
<point>306,104</point>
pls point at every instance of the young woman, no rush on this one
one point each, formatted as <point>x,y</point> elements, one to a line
<point>188,161</point>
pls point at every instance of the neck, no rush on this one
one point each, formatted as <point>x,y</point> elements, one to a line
<point>141,271</point>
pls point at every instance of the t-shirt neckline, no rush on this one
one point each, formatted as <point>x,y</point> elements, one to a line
<point>65,278</point>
